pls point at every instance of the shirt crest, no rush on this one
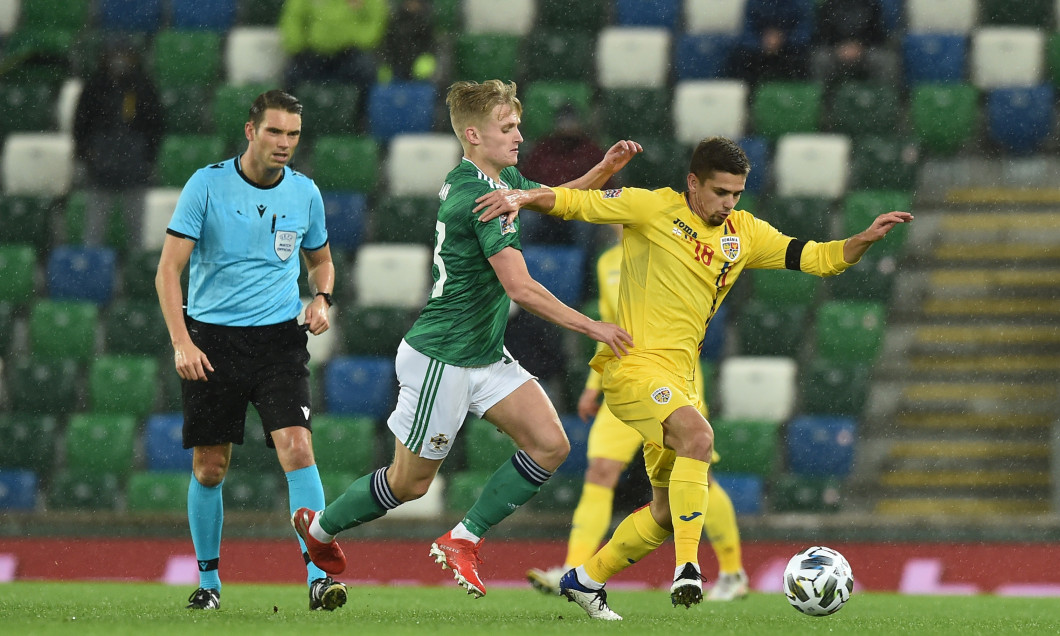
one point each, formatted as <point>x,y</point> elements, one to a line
<point>730,247</point>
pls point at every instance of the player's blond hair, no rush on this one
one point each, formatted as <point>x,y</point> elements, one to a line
<point>471,103</point>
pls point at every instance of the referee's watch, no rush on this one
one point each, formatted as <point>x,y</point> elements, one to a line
<point>327,298</point>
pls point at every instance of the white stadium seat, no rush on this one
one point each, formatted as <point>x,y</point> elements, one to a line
<point>254,55</point>
<point>941,16</point>
<point>323,346</point>
<point>9,10</point>
<point>392,275</point>
<point>515,17</point>
<point>38,164</point>
<point>703,108</point>
<point>812,165</point>
<point>757,388</point>
<point>1004,57</point>
<point>159,204</point>
<point>714,16</point>
<point>416,164</point>
<point>66,107</point>
<point>631,57</point>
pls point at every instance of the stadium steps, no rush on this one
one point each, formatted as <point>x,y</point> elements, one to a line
<point>965,393</point>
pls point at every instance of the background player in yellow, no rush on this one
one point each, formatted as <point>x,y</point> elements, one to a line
<point>611,448</point>
<point>681,254</point>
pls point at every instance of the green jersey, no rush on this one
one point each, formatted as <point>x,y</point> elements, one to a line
<point>464,319</point>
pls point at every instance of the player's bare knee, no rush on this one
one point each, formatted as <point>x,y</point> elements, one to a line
<point>210,475</point>
<point>410,489</point>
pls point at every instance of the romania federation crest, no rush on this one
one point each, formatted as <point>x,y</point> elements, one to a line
<point>661,395</point>
<point>730,247</point>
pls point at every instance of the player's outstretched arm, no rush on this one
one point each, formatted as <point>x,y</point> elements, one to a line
<point>497,203</point>
<point>857,245</point>
<point>616,158</point>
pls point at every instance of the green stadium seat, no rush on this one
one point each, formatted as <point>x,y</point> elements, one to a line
<point>114,234</point>
<point>123,385</point>
<point>849,330</point>
<point>871,280</point>
<point>258,12</point>
<point>805,218</point>
<point>782,107</point>
<point>55,14</point>
<point>464,488</point>
<point>344,443</point>
<point>746,446</point>
<point>231,110</point>
<point>38,55</point>
<point>835,388</point>
<point>186,57</point>
<point>945,117</point>
<point>26,220</point>
<point>884,163</point>
<point>100,443</point>
<point>169,399</point>
<point>249,491</point>
<point>635,113</point>
<point>864,108</point>
<point>663,164</point>
<point>27,106</point>
<point>559,56</point>
<point>346,162</point>
<point>796,493</point>
<point>861,207</point>
<point>18,267</point>
<point>560,494</point>
<point>138,275</point>
<point>542,100</point>
<point>486,447</point>
<point>375,330</point>
<point>1034,13</point>
<point>181,155</point>
<point>447,16</point>
<point>63,329</point>
<point>135,327</point>
<point>42,385</point>
<point>27,440</point>
<point>768,330</point>
<point>783,288</point>
<point>483,56</point>
<point>1052,58</point>
<point>8,310</point>
<point>584,15</point>
<point>74,490</point>
<point>403,219</point>
<point>329,108</point>
<point>187,108</point>
<point>150,491</point>
<point>335,484</point>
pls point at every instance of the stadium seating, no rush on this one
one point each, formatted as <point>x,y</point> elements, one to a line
<point>560,268</point>
<point>150,491</point>
<point>1005,57</point>
<point>159,204</point>
<point>100,443</point>
<point>186,57</point>
<point>514,18</point>
<point>635,113</point>
<point>863,108</point>
<point>143,16</point>
<point>1036,13</point>
<point>31,107</point>
<point>138,275</point>
<point>258,12</point>
<point>24,377</point>
<point>9,11</point>
<point>181,155</point>
<point>344,444</point>
<point>834,388</point>
<point>162,443</point>
<point>821,446</point>
<point>346,162</point>
<point>587,15</point>
<point>400,108</point>
<point>68,15</point>
<point>482,56</point>
<point>807,218</point>
<point>559,56</point>
<point>884,162</point>
<point>757,388</point>
<point>18,265</point>
<point>861,207</point>
<point>399,219</point>
<point>392,274</point>
<point>769,330</point>
<point>346,217</point>
<point>81,273</point>
<point>714,16</point>
<point>464,489</point>
<point>849,330</point>
<point>123,385</point>
<point>560,493</point>
<point>253,55</point>
<point>812,165</point>
<point>74,490</point>
<point>783,288</point>
<point>66,103</point>
<point>37,164</point>
<point>745,491</point>
<point>796,493</point>
<point>28,441</point>
<point>328,108</point>
<point>934,57</point>
<point>629,57</point>
<point>703,108</point>
<point>374,331</point>
<point>658,13</point>
<point>26,220</point>
<point>63,329</point>
<point>212,15</point>
<point>18,489</point>
<point>417,164</point>
<point>663,164</point>
<point>187,108</point>
<point>1019,119</point>
<point>701,55</point>
<point>360,385</point>
<point>941,16</point>
<point>542,99</point>
<point>246,491</point>
<point>872,279</point>
<point>486,447</point>
<point>231,106</point>
<point>783,107</point>
<point>944,116</point>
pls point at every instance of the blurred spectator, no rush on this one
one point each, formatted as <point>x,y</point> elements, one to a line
<point>118,128</point>
<point>849,42</point>
<point>775,41</point>
<point>334,40</point>
<point>409,47</point>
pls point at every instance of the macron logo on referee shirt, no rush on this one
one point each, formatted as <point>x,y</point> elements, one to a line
<point>305,412</point>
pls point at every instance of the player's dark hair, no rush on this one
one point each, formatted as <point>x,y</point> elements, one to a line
<point>273,99</point>
<point>718,154</point>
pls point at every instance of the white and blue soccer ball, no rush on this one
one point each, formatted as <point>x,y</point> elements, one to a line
<point>818,581</point>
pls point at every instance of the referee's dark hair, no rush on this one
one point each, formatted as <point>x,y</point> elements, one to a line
<point>718,154</point>
<point>273,99</point>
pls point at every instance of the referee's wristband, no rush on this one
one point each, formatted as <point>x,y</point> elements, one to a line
<point>327,298</point>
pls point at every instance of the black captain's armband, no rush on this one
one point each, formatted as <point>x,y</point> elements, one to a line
<point>794,255</point>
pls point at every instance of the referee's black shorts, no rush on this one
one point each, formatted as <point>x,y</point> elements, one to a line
<point>264,366</point>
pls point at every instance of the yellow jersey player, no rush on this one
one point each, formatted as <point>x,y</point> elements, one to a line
<point>681,254</point>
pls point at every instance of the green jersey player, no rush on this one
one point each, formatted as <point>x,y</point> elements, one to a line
<point>453,361</point>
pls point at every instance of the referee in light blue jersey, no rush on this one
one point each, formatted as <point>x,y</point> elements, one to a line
<point>241,225</point>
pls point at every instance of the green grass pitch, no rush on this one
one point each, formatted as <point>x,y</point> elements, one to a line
<point>126,608</point>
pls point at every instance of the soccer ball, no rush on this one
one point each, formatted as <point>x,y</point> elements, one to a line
<point>818,581</point>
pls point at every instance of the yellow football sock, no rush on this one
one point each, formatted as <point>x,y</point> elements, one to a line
<point>634,539</point>
<point>688,503</point>
<point>720,526</point>
<point>589,523</point>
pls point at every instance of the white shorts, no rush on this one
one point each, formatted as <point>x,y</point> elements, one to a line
<point>434,398</point>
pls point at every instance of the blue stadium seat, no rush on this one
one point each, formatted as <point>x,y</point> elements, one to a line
<point>1019,119</point>
<point>820,445</point>
<point>81,273</point>
<point>163,446</point>
<point>560,268</point>
<point>578,434</point>
<point>648,13</point>
<point>934,57</point>
<point>18,489</point>
<point>400,107</point>
<point>714,338</point>
<point>345,214</point>
<point>744,490</point>
<point>360,385</point>
<point>702,55</point>
<point>211,15</point>
<point>757,151</point>
<point>143,16</point>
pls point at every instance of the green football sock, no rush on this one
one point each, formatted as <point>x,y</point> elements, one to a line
<point>514,483</point>
<point>355,506</point>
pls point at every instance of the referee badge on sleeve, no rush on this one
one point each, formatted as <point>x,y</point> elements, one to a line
<point>284,244</point>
